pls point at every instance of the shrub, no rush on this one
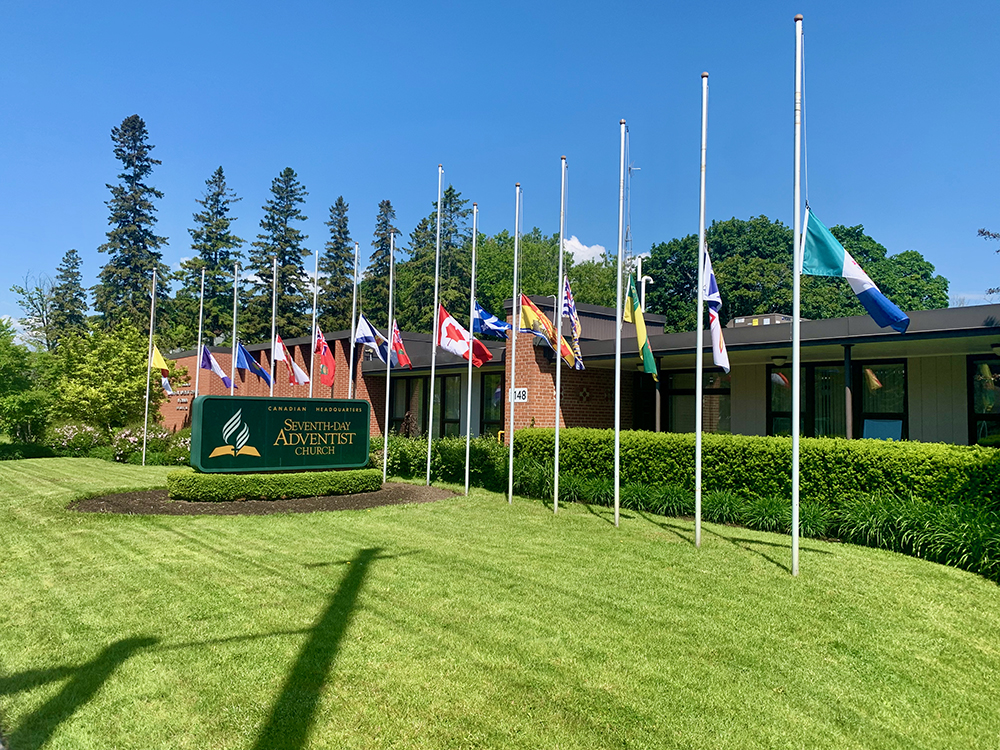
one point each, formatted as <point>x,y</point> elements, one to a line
<point>723,506</point>
<point>153,458</point>
<point>74,439</point>
<point>770,513</point>
<point>103,452</point>
<point>189,485</point>
<point>672,500</point>
<point>17,451</point>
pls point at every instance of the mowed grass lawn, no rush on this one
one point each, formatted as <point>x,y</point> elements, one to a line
<point>469,623</point>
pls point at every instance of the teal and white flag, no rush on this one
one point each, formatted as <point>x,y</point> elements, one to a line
<point>823,255</point>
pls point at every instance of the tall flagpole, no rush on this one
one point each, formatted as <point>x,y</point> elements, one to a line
<point>796,298</point>
<point>699,363</point>
<point>201,317</point>
<point>149,362</point>
<point>559,318</point>
<point>515,312</point>
<point>354,311</point>
<point>472,314</point>
<point>312,358</point>
<point>274,303</point>
<point>618,328</point>
<point>388,359</point>
<point>434,341</point>
<point>232,369</point>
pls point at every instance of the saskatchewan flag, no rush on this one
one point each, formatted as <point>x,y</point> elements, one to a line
<point>633,314</point>
<point>823,255</point>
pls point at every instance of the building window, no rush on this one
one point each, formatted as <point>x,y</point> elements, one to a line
<point>448,405</point>
<point>984,400</point>
<point>879,400</point>
<point>679,401</point>
<point>408,406</point>
<point>491,403</point>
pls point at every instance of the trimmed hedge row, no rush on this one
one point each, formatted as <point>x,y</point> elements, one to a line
<point>190,485</point>
<point>408,459</point>
<point>830,470</point>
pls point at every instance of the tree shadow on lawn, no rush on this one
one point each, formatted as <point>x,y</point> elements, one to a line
<point>84,682</point>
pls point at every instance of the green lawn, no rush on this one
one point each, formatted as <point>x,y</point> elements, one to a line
<point>469,623</point>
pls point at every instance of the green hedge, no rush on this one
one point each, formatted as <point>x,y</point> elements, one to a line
<point>17,451</point>
<point>408,459</point>
<point>830,470</point>
<point>189,485</point>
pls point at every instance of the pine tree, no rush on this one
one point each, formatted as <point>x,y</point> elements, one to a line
<point>416,277</point>
<point>69,300</point>
<point>336,267</point>
<point>218,250</point>
<point>133,247</point>
<point>281,240</point>
<point>375,287</point>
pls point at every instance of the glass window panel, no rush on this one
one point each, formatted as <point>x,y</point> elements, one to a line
<point>417,404</point>
<point>681,410</point>
<point>452,428</point>
<point>830,402</point>
<point>715,413</point>
<point>883,388</point>
<point>781,390</point>
<point>716,380</point>
<point>678,380</point>
<point>492,397</point>
<point>399,404</point>
<point>986,387</point>
<point>452,397</point>
<point>988,432</point>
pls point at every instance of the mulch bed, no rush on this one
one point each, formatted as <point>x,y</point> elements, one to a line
<point>156,502</point>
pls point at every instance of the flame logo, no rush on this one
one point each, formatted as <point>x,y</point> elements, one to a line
<point>237,447</point>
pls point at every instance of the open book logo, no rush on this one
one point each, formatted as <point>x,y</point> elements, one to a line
<point>236,434</point>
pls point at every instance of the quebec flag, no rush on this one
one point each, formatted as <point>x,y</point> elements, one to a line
<point>823,255</point>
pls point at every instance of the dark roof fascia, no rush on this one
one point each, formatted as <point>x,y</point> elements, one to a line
<point>545,302</point>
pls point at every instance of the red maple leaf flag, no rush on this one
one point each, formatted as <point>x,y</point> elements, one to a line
<point>454,338</point>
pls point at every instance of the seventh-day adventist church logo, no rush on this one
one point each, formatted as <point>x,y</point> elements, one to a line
<point>237,446</point>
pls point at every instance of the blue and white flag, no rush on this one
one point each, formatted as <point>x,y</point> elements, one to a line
<point>569,311</point>
<point>244,361</point>
<point>208,362</point>
<point>823,255</point>
<point>487,324</point>
<point>711,295</point>
<point>366,335</point>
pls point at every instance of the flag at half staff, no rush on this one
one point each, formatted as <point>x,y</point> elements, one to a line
<point>823,255</point>
<point>208,362</point>
<point>633,314</point>
<point>454,338</point>
<point>720,355</point>
<point>327,365</point>
<point>296,375</point>
<point>366,335</point>
<point>399,355</point>
<point>486,323</point>
<point>245,361</point>
<point>534,321</point>
<point>159,363</point>
<point>569,311</point>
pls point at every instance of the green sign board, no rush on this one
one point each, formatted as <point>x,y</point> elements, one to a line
<point>248,433</point>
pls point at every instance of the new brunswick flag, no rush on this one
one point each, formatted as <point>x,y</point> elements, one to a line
<point>633,314</point>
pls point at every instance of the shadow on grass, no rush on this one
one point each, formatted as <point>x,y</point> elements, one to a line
<point>608,516</point>
<point>672,528</point>
<point>749,545</point>
<point>294,712</point>
<point>84,682</point>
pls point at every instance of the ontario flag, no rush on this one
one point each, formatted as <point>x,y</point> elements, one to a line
<point>327,366</point>
<point>454,338</point>
<point>399,356</point>
<point>296,375</point>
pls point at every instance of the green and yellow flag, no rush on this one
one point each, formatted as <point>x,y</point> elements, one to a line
<point>633,314</point>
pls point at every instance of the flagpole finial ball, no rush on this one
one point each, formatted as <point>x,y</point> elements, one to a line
<point>564,157</point>
<point>705,74</point>
<point>517,184</point>
<point>798,17</point>
<point>621,122</point>
<point>475,205</point>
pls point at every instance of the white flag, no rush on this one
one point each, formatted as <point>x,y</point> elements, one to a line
<point>711,294</point>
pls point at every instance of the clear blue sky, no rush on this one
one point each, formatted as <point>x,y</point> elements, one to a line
<point>365,99</point>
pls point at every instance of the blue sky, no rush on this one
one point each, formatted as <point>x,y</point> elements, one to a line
<point>365,99</point>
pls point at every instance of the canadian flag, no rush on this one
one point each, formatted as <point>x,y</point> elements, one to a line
<point>296,375</point>
<point>454,338</point>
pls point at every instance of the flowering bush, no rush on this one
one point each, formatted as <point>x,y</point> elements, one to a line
<point>74,439</point>
<point>127,441</point>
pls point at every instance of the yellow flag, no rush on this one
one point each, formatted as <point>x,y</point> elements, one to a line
<point>158,361</point>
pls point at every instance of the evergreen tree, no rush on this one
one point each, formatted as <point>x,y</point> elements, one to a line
<point>69,299</point>
<point>281,240</point>
<point>375,287</point>
<point>218,250</point>
<point>416,277</point>
<point>336,267</point>
<point>132,246</point>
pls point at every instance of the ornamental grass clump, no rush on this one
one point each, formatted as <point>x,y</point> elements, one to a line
<point>723,506</point>
<point>770,513</point>
<point>672,500</point>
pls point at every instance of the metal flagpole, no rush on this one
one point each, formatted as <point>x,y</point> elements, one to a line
<point>312,358</point>
<point>618,328</point>
<point>274,302</point>
<point>796,298</point>
<point>232,369</point>
<point>699,346</point>
<point>561,296</point>
<point>472,313</point>
<point>354,310</point>
<point>149,362</point>
<point>201,317</point>
<point>434,342</point>
<point>388,360</point>
<point>515,312</point>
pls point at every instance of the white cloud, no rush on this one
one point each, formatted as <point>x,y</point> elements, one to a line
<point>583,252</point>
